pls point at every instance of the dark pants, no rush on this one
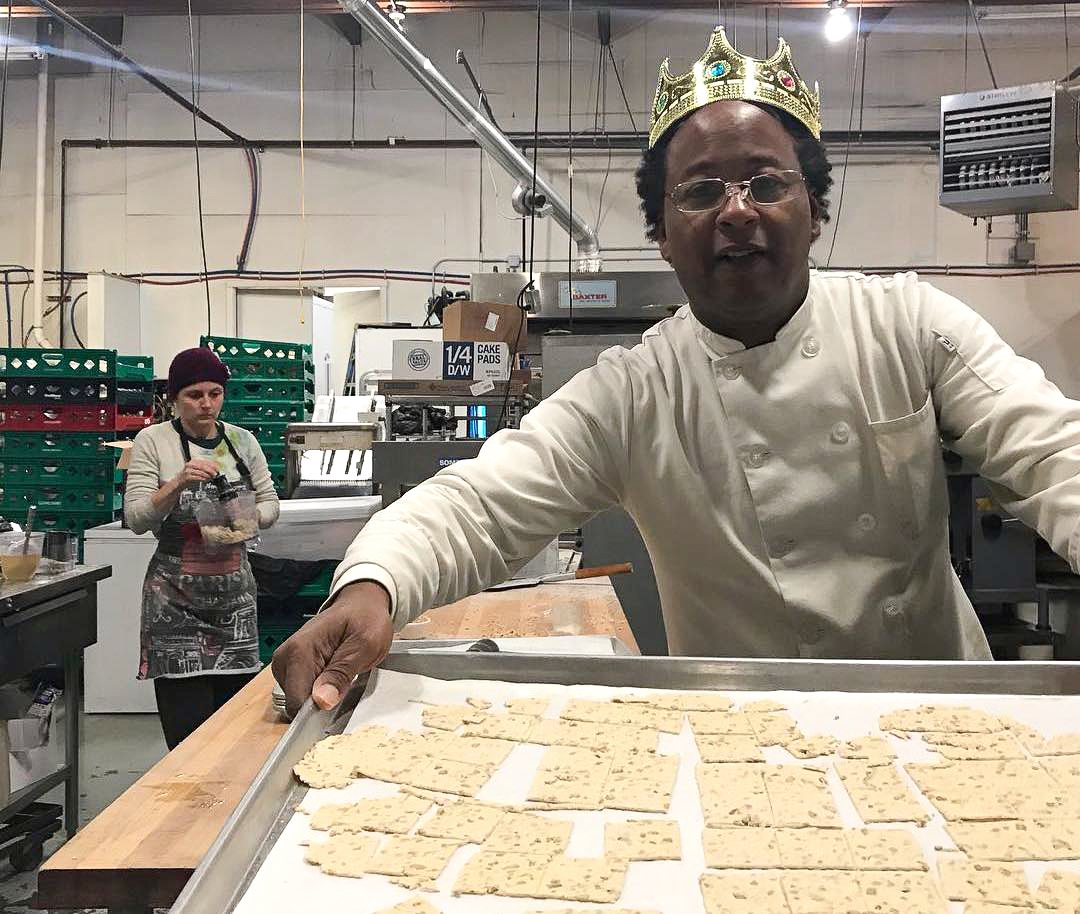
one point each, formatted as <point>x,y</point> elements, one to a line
<point>185,703</point>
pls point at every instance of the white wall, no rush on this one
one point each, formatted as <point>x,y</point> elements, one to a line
<point>133,210</point>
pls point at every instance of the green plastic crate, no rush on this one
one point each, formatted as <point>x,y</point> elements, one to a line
<point>59,444</point>
<point>58,363</point>
<point>245,391</point>
<point>71,521</point>
<point>271,370</point>
<point>268,433</point>
<point>245,414</point>
<point>272,635</point>
<point>274,454</point>
<point>275,350</point>
<point>70,472</point>
<point>14,500</point>
<point>135,368</point>
<point>320,586</point>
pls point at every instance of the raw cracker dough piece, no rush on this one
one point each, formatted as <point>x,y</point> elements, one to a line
<point>1059,838</point>
<point>741,848</point>
<point>420,859</point>
<point>448,717</point>
<point>984,880</point>
<point>343,855</point>
<point>823,892</point>
<point>471,823</point>
<point>331,761</point>
<point>775,728</point>
<point>513,727</point>
<point>874,750</point>
<point>570,775</point>
<point>1065,770</point>
<point>458,778</point>
<point>879,794</point>
<point>743,893</point>
<point>763,706</point>
<point>595,879</point>
<point>884,849</point>
<point>481,703</point>
<point>1059,889</point>
<point>471,750</point>
<point>590,735</point>
<point>975,746</point>
<point>414,905</point>
<point>720,723</point>
<point>734,795</point>
<point>940,719</point>
<point>1008,841</point>
<point>813,849</point>
<point>800,797</point>
<point>631,715</point>
<point>680,701</point>
<point>990,790</point>
<point>901,893</point>
<point>389,815</point>
<point>525,833</point>
<point>733,748</point>
<point>641,782</point>
<point>954,796</point>
<point>498,873</point>
<point>811,746</point>
<point>643,839</point>
<point>1065,744</point>
<point>530,707</point>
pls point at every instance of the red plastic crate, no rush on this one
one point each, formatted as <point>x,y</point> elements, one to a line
<point>38,417</point>
<point>134,419</point>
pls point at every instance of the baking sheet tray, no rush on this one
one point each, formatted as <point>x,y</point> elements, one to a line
<point>265,812</point>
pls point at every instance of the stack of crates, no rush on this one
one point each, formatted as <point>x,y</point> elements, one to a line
<point>279,620</point>
<point>271,384</point>
<point>58,410</point>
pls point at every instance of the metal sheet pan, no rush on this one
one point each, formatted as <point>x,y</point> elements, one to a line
<point>235,856</point>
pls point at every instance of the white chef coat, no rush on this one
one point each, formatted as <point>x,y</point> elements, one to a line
<point>792,496</point>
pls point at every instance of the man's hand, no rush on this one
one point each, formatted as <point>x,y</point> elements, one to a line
<point>349,637</point>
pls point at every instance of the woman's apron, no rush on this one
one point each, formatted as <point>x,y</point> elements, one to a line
<point>198,606</point>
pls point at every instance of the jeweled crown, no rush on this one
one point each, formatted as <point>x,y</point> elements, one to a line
<point>723,73</point>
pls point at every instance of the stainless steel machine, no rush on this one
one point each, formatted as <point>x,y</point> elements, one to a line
<point>346,440</point>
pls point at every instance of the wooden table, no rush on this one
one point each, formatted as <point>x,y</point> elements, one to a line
<point>140,851</point>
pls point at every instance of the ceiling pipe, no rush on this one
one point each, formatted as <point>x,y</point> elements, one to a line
<point>492,140</point>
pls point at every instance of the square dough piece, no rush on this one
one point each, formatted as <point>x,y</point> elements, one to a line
<point>984,880</point>
<point>800,797</point>
<point>1059,889</point>
<point>497,873</point>
<point>571,776</point>
<point>530,707</point>
<point>884,849</point>
<point>513,727</point>
<point>595,879</point>
<point>332,761</point>
<point>1008,841</point>
<point>823,892</point>
<point>414,905</point>
<point>879,794</point>
<point>811,746</point>
<point>680,701</point>
<point>720,723</point>
<point>1059,838</point>
<point>526,833</point>
<point>631,715</point>
<point>813,849</point>
<point>1065,744</point>
<point>733,748</point>
<point>643,839</point>
<point>470,823</point>
<point>444,776</point>
<point>745,848</point>
<point>743,893</point>
<point>901,893</point>
<point>734,795</point>
<point>448,717</point>
<point>472,750</point>
<point>774,728</point>
<point>641,782</point>
<point>343,855</point>
<point>874,750</point>
<point>940,719</point>
<point>975,746</point>
<point>390,815</point>
<point>1064,769</point>
<point>421,859</point>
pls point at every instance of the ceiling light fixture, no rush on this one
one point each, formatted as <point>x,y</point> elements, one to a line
<point>396,11</point>
<point>838,24</point>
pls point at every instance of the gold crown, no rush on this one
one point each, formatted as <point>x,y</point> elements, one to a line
<point>723,73</point>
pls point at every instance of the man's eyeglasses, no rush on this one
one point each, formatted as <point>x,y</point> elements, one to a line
<point>707,194</point>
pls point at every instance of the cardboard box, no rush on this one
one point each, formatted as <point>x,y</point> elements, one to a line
<point>468,361</point>
<point>417,360</point>
<point>485,322</point>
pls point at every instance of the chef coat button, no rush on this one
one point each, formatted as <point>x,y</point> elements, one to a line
<point>757,456</point>
<point>840,433</point>
<point>867,523</point>
<point>731,372</point>
<point>810,347</point>
<point>779,548</point>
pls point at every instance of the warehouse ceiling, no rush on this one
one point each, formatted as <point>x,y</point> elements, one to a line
<point>208,7</point>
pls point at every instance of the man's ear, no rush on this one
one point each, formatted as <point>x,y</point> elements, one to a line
<point>815,219</point>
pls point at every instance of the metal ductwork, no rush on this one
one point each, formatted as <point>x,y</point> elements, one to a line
<point>492,140</point>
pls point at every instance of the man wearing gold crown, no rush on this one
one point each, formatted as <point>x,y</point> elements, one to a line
<point>777,441</point>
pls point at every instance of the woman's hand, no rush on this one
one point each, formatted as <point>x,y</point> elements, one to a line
<point>198,469</point>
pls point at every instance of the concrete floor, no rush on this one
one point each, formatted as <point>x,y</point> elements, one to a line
<point>117,749</point>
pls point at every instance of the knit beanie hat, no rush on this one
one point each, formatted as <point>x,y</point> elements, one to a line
<point>193,366</point>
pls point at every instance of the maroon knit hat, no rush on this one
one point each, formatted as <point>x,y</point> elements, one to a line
<point>193,366</point>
